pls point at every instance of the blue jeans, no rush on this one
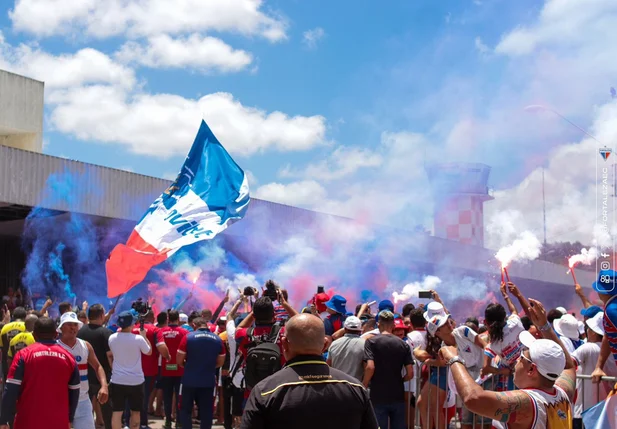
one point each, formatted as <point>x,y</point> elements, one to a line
<point>204,396</point>
<point>171,385</point>
<point>392,413</point>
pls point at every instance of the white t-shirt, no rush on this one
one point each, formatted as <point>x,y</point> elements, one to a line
<point>509,349</point>
<point>127,349</point>
<point>467,348</point>
<point>587,356</point>
<point>416,340</point>
<point>231,339</point>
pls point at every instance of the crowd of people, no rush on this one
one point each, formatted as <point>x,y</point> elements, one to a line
<point>265,364</point>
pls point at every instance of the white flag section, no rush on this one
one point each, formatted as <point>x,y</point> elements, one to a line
<point>188,221</point>
<point>210,193</point>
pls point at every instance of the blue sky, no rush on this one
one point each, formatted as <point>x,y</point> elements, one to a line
<point>380,90</point>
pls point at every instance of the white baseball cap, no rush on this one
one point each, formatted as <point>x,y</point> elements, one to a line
<point>184,318</point>
<point>546,355</point>
<point>596,323</point>
<point>562,310</point>
<point>567,326</point>
<point>581,327</point>
<point>70,317</point>
<point>437,322</point>
<point>352,323</point>
<point>433,309</point>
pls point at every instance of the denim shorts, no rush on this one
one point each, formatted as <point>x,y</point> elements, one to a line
<point>442,371</point>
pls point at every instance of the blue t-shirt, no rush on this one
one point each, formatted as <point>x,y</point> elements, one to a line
<point>187,327</point>
<point>202,348</point>
<point>333,323</point>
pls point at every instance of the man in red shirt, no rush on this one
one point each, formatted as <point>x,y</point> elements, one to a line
<point>149,364</point>
<point>264,317</point>
<point>167,342</point>
<point>39,372</point>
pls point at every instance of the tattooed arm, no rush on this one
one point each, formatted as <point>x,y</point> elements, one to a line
<point>567,381</point>
<point>508,407</point>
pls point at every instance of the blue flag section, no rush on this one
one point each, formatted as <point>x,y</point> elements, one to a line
<point>210,193</point>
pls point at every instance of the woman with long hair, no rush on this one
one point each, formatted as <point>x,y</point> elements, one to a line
<point>504,348</point>
<point>442,330</point>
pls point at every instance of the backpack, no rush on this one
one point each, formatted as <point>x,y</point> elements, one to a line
<point>263,357</point>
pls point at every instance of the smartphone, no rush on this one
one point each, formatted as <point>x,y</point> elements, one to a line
<point>425,294</point>
<point>321,289</point>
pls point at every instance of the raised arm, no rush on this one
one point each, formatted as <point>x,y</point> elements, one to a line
<point>437,298</point>
<point>507,407</point>
<point>504,293</point>
<point>218,310</point>
<point>521,299</point>
<point>579,292</point>
<point>288,308</point>
<point>567,380</point>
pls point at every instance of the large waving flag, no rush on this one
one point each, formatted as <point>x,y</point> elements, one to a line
<point>210,193</point>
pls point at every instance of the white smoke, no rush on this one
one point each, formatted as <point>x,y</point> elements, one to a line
<point>586,257</point>
<point>236,285</point>
<point>525,248</point>
<point>601,237</point>
<point>411,290</point>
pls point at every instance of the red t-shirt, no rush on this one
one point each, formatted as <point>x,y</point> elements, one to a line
<point>45,373</point>
<point>171,336</point>
<point>241,338</point>
<point>149,364</point>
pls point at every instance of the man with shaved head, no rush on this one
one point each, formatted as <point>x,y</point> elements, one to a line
<point>307,393</point>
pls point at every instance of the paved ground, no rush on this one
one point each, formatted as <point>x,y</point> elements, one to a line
<point>156,423</point>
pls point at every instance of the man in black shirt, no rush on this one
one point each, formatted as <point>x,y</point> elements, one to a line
<point>98,336</point>
<point>307,393</point>
<point>386,356</point>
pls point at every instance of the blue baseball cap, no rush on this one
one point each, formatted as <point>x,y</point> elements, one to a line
<point>606,283</point>
<point>386,304</point>
<point>589,312</point>
<point>125,319</point>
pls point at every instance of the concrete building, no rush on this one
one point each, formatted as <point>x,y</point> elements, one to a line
<point>21,112</point>
<point>106,194</point>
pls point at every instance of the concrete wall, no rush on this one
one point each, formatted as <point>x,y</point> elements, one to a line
<point>21,112</point>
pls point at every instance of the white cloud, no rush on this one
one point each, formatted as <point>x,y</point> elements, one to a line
<point>568,23</point>
<point>307,193</point>
<point>85,66</point>
<point>482,48</point>
<point>109,18</point>
<point>164,124</point>
<point>311,37</point>
<point>344,161</point>
<point>197,52</point>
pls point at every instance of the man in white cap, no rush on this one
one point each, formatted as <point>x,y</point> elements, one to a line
<point>586,356</point>
<point>347,353</point>
<point>545,374</point>
<point>84,355</point>
<point>567,329</point>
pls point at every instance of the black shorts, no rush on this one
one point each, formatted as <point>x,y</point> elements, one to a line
<point>120,394</point>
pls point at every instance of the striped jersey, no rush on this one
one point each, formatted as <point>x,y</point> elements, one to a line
<point>80,353</point>
<point>610,324</point>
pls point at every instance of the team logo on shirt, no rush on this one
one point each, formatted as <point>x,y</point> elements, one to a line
<point>78,358</point>
<point>558,415</point>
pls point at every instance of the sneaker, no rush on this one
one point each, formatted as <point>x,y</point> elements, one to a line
<point>178,425</point>
<point>167,424</point>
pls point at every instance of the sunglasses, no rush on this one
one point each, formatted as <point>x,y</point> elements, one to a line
<point>522,356</point>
